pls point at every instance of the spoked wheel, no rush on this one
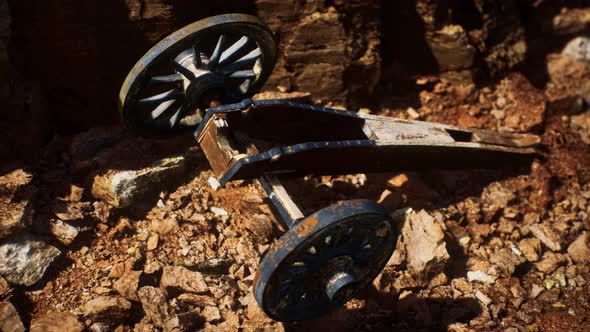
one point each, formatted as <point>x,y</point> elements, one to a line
<point>218,60</point>
<point>325,260</point>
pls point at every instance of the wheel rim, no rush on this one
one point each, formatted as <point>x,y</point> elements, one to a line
<point>325,260</point>
<point>221,59</point>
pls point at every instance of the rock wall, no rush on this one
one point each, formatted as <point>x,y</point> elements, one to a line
<point>330,48</point>
<point>67,59</point>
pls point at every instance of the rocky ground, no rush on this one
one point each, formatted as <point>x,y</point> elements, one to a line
<point>116,232</point>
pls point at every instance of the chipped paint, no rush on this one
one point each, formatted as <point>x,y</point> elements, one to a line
<point>307,227</point>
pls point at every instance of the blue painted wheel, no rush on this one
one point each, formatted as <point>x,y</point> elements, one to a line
<point>218,60</point>
<point>325,260</point>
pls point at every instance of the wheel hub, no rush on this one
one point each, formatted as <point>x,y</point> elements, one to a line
<point>205,84</point>
<point>325,260</point>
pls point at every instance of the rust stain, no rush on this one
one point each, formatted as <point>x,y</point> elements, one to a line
<point>305,228</point>
<point>256,278</point>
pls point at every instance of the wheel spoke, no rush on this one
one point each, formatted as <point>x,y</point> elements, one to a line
<point>247,59</point>
<point>197,57</point>
<point>177,116</point>
<point>216,52</point>
<point>243,74</point>
<point>165,79</point>
<point>244,87</point>
<point>232,50</point>
<point>163,107</point>
<point>159,98</point>
<point>184,71</point>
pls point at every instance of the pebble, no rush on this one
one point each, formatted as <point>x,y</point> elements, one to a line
<point>165,226</point>
<point>178,278</point>
<point>531,248</point>
<point>501,102</point>
<point>196,299</point>
<point>213,183</point>
<point>535,291</point>
<point>152,242</point>
<point>127,285</point>
<point>549,283</point>
<point>185,250</point>
<point>219,212</point>
<point>107,309</point>
<point>560,279</point>
<point>211,314</point>
<point>214,266</point>
<point>498,114</point>
<point>412,113</point>
<point>483,298</point>
<point>547,235</point>
<point>464,241</point>
<point>579,250</point>
<point>481,277</point>
<point>64,232</point>
<point>578,48</point>
<point>550,262</point>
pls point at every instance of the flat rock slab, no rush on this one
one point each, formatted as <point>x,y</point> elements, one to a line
<point>24,259</point>
<point>122,189</point>
<point>56,322</point>
<point>181,279</point>
<point>107,309</point>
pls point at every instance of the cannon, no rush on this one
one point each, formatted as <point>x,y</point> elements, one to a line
<point>201,78</point>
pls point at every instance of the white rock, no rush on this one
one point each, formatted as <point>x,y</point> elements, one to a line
<point>213,183</point>
<point>64,232</point>
<point>481,277</point>
<point>218,211</point>
<point>412,113</point>
<point>578,48</point>
<point>483,298</point>
<point>24,259</point>
<point>184,251</point>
